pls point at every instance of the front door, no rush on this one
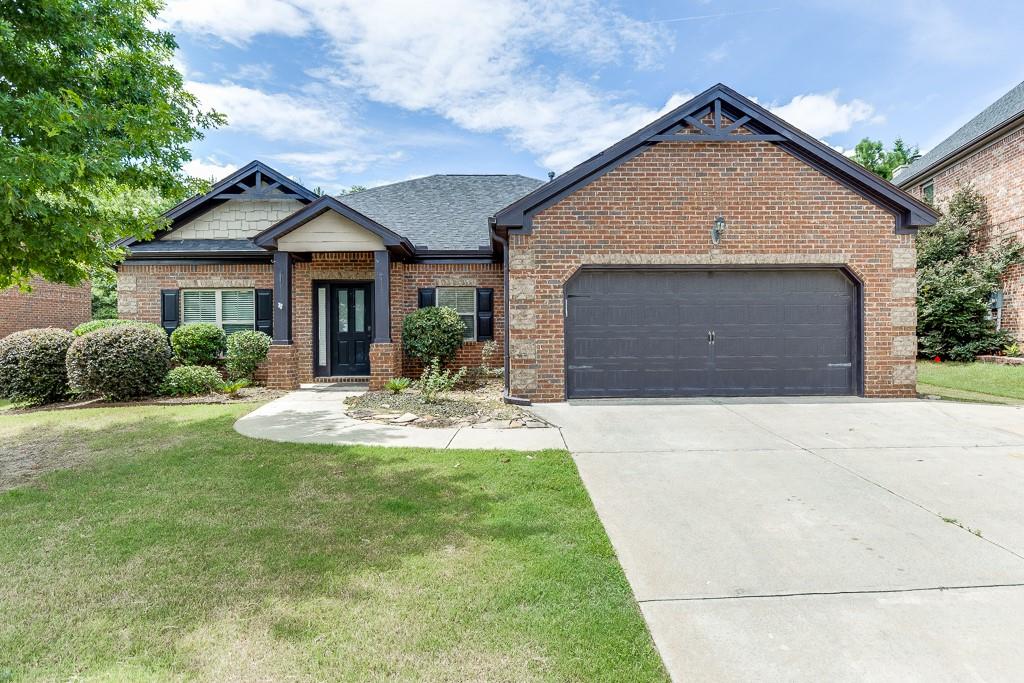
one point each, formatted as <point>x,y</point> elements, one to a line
<point>350,329</point>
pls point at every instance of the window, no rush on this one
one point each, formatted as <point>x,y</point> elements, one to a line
<point>928,192</point>
<point>463,300</point>
<point>232,310</point>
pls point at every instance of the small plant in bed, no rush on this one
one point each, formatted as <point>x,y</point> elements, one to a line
<point>435,383</point>
<point>191,380</point>
<point>397,385</point>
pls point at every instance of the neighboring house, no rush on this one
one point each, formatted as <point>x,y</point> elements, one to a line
<point>987,152</point>
<point>717,251</point>
<point>48,304</point>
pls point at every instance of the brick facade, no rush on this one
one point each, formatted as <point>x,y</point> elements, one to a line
<point>288,366</point>
<point>658,208</point>
<point>48,305</point>
<point>997,171</point>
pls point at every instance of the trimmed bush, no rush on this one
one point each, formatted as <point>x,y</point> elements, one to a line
<point>433,332</point>
<point>93,325</point>
<point>198,343</point>
<point>191,380</point>
<point>246,350</point>
<point>32,365</point>
<point>120,362</point>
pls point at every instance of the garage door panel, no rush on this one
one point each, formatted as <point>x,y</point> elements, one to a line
<point>645,333</point>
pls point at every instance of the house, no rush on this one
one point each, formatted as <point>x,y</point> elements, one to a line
<point>987,152</point>
<point>717,251</point>
<point>47,304</point>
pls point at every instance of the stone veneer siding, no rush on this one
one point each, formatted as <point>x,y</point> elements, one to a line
<point>658,208</point>
<point>48,305</point>
<point>997,171</point>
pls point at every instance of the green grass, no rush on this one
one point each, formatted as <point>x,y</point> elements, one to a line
<point>971,381</point>
<point>176,549</point>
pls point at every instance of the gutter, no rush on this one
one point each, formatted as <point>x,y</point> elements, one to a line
<point>506,394</point>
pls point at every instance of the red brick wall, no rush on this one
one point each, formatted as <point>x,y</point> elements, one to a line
<point>47,305</point>
<point>658,208</point>
<point>139,298</point>
<point>997,171</point>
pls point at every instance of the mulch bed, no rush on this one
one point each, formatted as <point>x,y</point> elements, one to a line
<point>247,395</point>
<point>480,406</point>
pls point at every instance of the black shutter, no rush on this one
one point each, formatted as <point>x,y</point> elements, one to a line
<point>428,297</point>
<point>169,309</point>
<point>265,311</point>
<point>484,314</point>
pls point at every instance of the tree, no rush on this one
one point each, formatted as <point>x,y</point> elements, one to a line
<point>92,114</point>
<point>354,188</point>
<point>956,275</point>
<point>871,154</point>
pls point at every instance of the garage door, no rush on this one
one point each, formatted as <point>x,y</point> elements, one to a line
<point>711,333</point>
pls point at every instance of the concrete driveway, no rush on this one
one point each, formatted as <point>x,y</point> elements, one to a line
<point>821,540</point>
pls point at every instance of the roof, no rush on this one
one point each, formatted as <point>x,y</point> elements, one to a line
<point>196,248</point>
<point>268,238</point>
<point>762,125</point>
<point>1008,108</point>
<point>442,212</point>
<point>245,180</point>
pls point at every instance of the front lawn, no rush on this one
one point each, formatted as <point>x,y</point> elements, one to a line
<point>971,381</point>
<point>177,549</point>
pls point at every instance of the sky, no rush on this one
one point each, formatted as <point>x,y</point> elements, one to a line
<point>336,93</point>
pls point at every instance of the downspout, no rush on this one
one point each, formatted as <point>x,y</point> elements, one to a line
<point>506,394</point>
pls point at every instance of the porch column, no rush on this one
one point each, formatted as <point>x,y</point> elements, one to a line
<point>282,297</point>
<point>381,297</point>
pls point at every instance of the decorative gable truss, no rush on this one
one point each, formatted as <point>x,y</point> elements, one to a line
<point>721,115</point>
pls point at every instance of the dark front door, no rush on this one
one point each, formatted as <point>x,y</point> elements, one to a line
<point>711,333</point>
<point>350,329</point>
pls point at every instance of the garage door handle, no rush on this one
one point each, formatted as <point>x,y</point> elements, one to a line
<point>840,365</point>
<point>581,367</point>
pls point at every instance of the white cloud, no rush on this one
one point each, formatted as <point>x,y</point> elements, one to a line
<point>234,21</point>
<point>823,114</point>
<point>209,168</point>
<point>274,116</point>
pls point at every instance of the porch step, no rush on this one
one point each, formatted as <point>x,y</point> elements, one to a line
<point>343,379</point>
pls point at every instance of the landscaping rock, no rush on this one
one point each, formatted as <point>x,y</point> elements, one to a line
<point>405,418</point>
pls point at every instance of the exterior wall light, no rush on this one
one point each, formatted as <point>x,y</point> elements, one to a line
<point>718,230</point>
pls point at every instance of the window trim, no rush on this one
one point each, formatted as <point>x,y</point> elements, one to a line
<point>218,307</point>
<point>928,191</point>
<point>471,333</point>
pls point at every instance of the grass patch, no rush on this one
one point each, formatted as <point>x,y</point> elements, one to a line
<point>971,381</point>
<point>178,549</point>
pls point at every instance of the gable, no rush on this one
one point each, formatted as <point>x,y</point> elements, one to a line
<point>721,116</point>
<point>330,231</point>
<point>238,219</point>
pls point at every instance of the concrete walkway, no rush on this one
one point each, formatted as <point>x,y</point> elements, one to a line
<point>815,540</point>
<point>317,415</point>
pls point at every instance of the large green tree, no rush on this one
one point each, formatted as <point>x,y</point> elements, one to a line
<point>93,115</point>
<point>872,155</point>
<point>956,274</point>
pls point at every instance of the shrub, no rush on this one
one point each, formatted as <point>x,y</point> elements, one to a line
<point>198,343</point>
<point>956,275</point>
<point>433,332</point>
<point>232,388</point>
<point>246,350</point>
<point>191,380</point>
<point>93,325</point>
<point>32,365</point>
<point>120,362</point>
<point>434,382</point>
<point>397,385</point>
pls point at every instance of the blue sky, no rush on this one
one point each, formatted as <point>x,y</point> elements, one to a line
<point>338,93</point>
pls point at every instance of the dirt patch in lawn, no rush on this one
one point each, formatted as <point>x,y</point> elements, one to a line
<point>481,405</point>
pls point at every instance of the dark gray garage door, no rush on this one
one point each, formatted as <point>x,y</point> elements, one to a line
<point>711,333</point>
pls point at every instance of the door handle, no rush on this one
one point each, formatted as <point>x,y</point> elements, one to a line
<point>711,336</point>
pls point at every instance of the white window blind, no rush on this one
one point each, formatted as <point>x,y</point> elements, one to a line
<point>463,300</point>
<point>230,309</point>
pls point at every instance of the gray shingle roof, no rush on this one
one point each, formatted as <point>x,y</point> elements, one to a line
<point>996,114</point>
<point>441,212</point>
<point>198,246</point>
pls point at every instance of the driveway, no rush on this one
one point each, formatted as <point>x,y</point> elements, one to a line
<point>819,540</point>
